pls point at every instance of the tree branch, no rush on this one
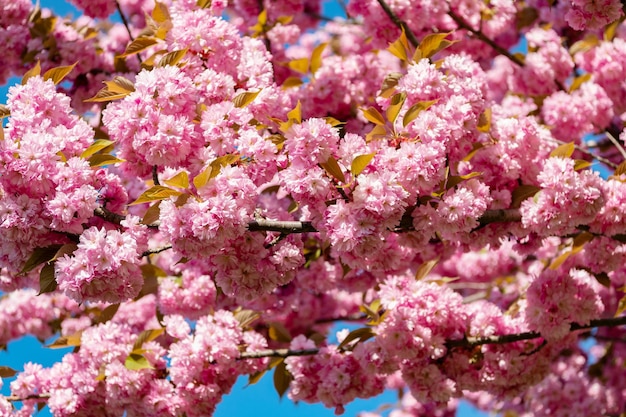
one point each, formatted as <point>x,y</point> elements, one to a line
<point>124,21</point>
<point>399,23</point>
<point>109,216</point>
<point>464,25</point>
<point>156,250</point>
<point>277,353</point>
<point>281,226</point>
<point>468,342</point>
<point>15,398</point>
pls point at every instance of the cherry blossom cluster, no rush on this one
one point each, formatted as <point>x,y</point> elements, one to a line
<point>207,185</point>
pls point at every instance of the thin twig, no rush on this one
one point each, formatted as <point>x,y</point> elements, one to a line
<point>124,21</point>
<point>510,338</point>
<point>464,25</point>
<point>109,216</point>
<point>587,152</point>
<point>155,175</point>
<point>399,23</point>
<point>618,145</point>
<point>15,398</point>
<point>468,342</point>
<point>278,353</point>
<point>156,250</point>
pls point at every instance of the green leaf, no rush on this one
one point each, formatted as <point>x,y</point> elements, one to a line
<point>95,147</point>
<point>425,269</point>
<point>360,162</point>
<point>72,340</point>
<point>433,43</point>
<point>611,29</point>
<point>278,332</point>
<point>172,58</point>
<point>33,72</point>
<point>246,317</point>
<point>296,113</point>
<point>158,192</point>
<point>484,121</point>
<point>316,57</point>
<point>414,111</point>
<point>6,372</point>
<point>66,249</point>
<point>136,362</point>
<point>523,192</point>
<point>374,116</point>
<point>146,336</point>
<point>397,101</point>
<point>160,13</point>
<point>332,167</point>
<point>105,95</point>
<point>99,160</point>
<point>47,283</point>
<point>564,151</point>
<point>139,44</point>
<point>360,335</point>
<point>180,180</point>
<point>299,65</point>
<point>39,256</point>
<point>581,164</point>
<point>578,81</point>
<point>202,178</point>
<point>256,377</point>
<point>455,180</point>
<point>334,122</point>
<point>400,47</point>
<point>379,132</point>
<point>282,379</point>
<point>291,82</point>
<point>59,73</point>
<point>243,99</point>
<point>389,84</point>
<point>152,214</point>
<point>4,111</point>
<point>107,314</point>
<point>475,147</point>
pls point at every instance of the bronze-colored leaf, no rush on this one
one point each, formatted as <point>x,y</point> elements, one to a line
<point>138,45</point>
<point>523,192</point>
<point>33,72</point>
<point>172,58</point>
<point>47,282</point>
<point>278,332</point>
<point>243,99</point>
<point>282,379</point>
<point>332,167</point>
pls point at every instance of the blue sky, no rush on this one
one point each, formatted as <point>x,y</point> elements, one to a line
<point>259,399</point>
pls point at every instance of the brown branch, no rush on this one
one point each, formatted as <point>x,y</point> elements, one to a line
<point>109,215</point>
<point>281,226</point>
<point>605,161</point>
<point>399,23</point>
<point>155,175</point>
<point>156,250</point>
<point>124,21</point>
<point>468,342</point>
<point>15,398</point>
<point>510,338</point>
<point>278,353</point>
<point>464,25</point>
